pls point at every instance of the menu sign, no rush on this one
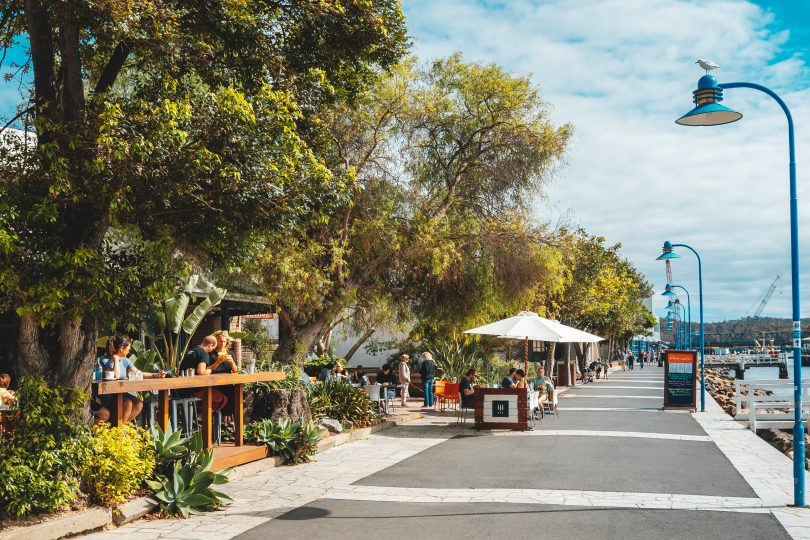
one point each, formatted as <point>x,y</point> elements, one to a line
<point>679,379</point>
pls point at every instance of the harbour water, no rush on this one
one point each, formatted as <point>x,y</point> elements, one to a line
<point>772,373</point>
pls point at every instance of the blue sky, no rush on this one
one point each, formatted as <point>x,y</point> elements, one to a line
<point>621,71</point>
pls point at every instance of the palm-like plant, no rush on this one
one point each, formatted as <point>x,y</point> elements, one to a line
<point>453,359</point>
<point>169,323</point>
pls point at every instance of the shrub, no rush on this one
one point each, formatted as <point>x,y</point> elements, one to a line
<point>313,366</point>
<point>121,459</point>
<point>344,402</point>
<point>296,442</point>
<point>41,457</point>
<point>183,485</point>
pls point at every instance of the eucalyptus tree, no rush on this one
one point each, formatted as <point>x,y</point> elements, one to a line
<point>442,163</point>
<point>182,124</point>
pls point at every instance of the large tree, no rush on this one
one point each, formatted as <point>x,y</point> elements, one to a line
<point>175,123</point>
<point>443,162</point>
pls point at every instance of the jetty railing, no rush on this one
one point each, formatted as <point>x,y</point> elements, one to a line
<point>769,411</point>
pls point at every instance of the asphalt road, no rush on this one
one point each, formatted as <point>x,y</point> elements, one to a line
<point>333,519</point>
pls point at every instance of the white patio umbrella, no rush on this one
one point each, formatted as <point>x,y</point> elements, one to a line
<point>528,325</point>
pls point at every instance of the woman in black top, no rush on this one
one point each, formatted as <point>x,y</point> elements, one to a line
<point>389,381</point>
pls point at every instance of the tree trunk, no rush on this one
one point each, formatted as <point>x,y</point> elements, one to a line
<point>63,354</point>
<point>357,344</point>
<point>297,340</point>
<point>549,363</point>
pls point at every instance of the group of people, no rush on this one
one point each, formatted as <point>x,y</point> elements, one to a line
<point>516,378</point>
<point>627,360</point>
<point>211,355</point>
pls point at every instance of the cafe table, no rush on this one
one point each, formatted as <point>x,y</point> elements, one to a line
<point>206,383</point>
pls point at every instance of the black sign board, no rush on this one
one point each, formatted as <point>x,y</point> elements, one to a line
<point>500,409</point>
<point>680,372</point>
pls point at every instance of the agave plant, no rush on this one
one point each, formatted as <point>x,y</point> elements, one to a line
<point>189,491</point>
<point>169,327</point>
<point>296,442</point>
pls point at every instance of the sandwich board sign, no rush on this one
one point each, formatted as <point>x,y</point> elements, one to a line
<point>680,372</point>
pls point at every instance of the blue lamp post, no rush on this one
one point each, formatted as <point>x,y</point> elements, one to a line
<point>666,254</point>
<point>668,291</point>
<point>709,112</point>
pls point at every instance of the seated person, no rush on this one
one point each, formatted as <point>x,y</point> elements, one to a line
<point>360,376</point>
<point>388,380</point>
<point>509,381</point>
<point>203,362</point>
<point>7,396</point>
<point>467,390</point>
<point>520,379</point>
<point>339,374</point>
<point>542,384</point>
<point>223,361</point>
<point>117,362</point>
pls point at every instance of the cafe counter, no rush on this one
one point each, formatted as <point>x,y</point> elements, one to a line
<point>501,408</point>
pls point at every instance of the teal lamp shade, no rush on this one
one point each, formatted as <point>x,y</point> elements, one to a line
<point>668,291</point>
<point>667,253</point>
<point>670,305</point>
<point>708,111</point>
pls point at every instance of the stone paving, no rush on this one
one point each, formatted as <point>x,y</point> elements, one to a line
<point>635,447</point>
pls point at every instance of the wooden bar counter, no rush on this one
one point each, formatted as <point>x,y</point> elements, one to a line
<point>501,408</point>
<point>203,382</point>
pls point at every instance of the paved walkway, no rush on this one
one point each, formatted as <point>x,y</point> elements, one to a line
<point>613,465</point>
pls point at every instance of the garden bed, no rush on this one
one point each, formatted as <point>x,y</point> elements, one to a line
<point>71,523</point>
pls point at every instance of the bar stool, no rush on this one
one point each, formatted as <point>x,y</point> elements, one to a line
<point>195,422</point>
<point>185,405</point>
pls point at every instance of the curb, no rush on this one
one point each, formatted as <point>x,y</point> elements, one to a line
<point>98,518</point>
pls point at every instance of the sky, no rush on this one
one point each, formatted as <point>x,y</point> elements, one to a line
<point>621,71</point>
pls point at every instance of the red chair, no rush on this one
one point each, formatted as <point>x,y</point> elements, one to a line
<point>451,393</point>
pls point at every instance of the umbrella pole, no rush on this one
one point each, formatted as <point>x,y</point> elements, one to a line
<point>526,356</point>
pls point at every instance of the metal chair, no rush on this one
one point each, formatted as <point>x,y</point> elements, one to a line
<point>551,404</point>
<point>461,411</point>
<point>534,407</point>
<point>373,391</point>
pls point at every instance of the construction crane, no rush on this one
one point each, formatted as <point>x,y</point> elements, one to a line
<point>766,297</point>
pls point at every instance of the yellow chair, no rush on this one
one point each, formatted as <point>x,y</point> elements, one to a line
<point>438,395</point>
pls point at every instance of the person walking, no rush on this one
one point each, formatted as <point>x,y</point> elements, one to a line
<point>428,372</point>
<point>623,360</point>
<point>630,360</point>
<point>404,378</point>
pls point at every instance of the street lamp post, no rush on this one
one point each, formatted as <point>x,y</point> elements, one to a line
<point>668,292</point>
<point>667,253</point>
<point>709,112</point>
<point>682,313</point>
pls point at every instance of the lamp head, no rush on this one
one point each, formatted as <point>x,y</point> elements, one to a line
<point>667,253</point>
<point>670,305</point>
<point>668,291</point>
<point>708,111</point>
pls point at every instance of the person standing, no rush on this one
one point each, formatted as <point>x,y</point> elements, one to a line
<point>404,378</point>
<point>428,373</point>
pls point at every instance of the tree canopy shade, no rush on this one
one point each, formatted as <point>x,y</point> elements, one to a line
<point>443,162</point>
<point>164,125</point>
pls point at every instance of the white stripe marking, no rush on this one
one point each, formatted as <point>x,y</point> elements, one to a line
<point>590,433</point>
<point>612,499</point>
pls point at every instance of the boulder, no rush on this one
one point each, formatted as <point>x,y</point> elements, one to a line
<point>277,404</point>
<point>332,425</point>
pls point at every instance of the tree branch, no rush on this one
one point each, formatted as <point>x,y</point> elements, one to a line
<point>113,67</point>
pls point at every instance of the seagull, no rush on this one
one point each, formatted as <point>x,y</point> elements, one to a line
<point>708,65</point>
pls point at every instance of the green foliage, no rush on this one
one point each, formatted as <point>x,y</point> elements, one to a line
<point>188,490</point>
<point>184,479</point>
<point>296,442</point>
<point>256,338</point>
<point>121,459</point>
<point>314,365</point>
<point>42,456</point>
<point>169,326</point>
<point>342,401</point>
<point>443,161</point>
<point>185,127</point>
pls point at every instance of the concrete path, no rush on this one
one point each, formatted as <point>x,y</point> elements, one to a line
<point>613,465</point>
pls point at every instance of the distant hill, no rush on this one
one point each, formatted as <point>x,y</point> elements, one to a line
<point>743,332</point>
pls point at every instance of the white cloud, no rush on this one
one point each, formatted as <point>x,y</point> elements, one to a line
<point>621,72</point>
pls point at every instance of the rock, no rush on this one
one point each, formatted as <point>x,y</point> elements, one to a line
<point>332,425</point>
<point>279,405</point>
